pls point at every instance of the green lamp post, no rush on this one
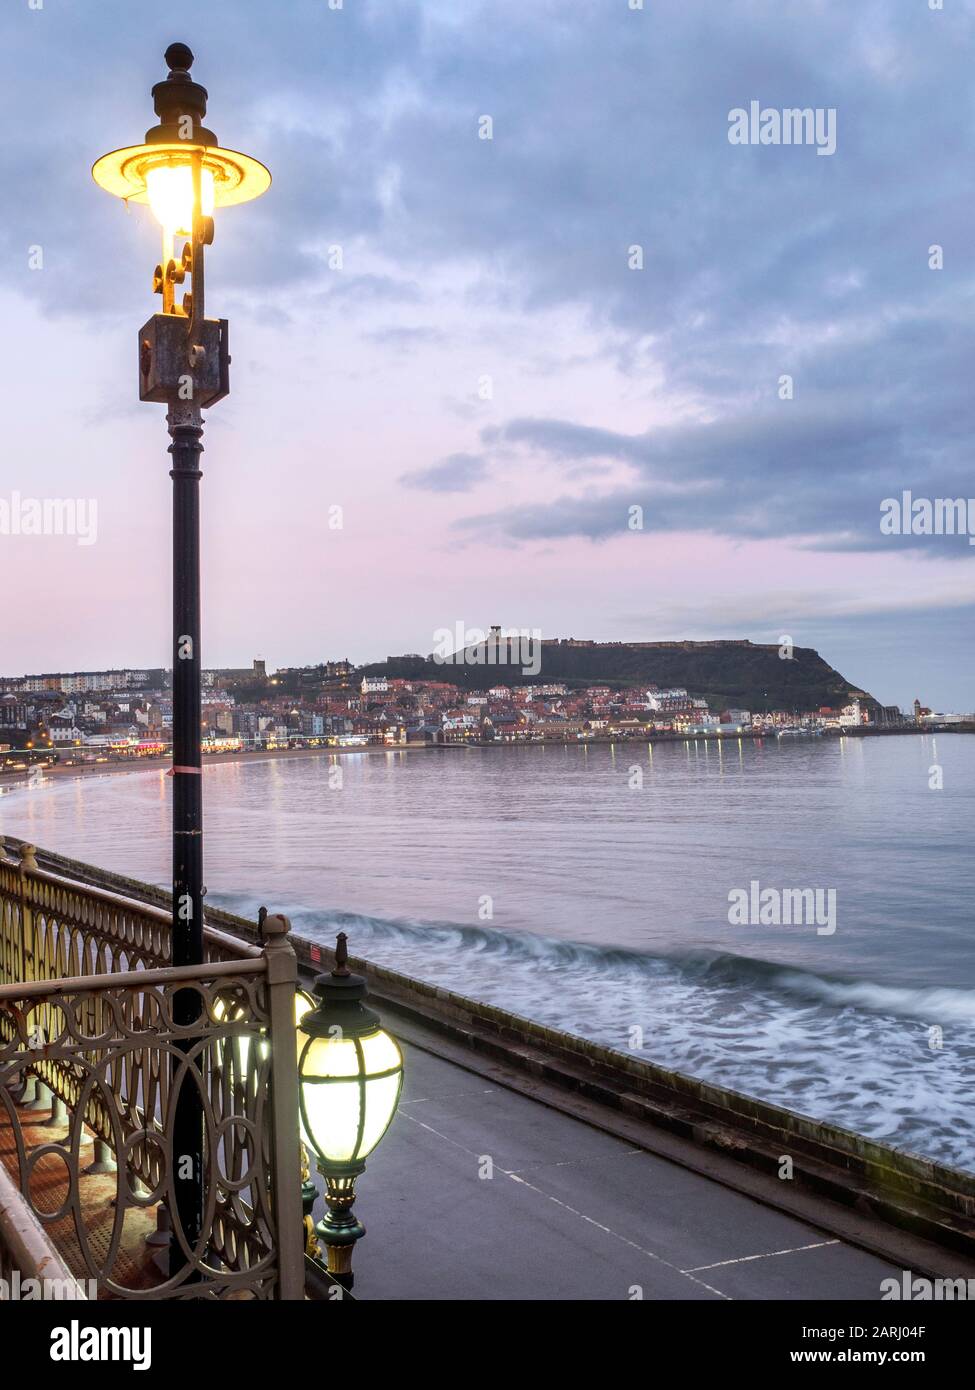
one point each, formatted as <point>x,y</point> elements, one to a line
<point>350,1073</point>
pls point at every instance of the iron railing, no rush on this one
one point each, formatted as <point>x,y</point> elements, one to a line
<point>87,1031</point>
<point>53,927</point>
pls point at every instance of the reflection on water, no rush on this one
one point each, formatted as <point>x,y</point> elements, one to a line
<point>588,887</point>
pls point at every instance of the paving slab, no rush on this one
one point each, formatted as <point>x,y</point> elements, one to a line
<point>821,1272</point>
<point>688,1219</point>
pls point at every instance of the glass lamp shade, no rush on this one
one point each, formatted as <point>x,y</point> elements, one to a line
<point>349,1089</point>
<point>161,175</point>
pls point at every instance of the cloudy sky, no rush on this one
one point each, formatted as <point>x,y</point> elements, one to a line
<point>534,342</point>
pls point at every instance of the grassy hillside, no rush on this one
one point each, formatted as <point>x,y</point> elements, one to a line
<point>725,673</point>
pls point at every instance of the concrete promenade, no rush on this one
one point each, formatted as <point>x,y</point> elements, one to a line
<point>570,1212</point>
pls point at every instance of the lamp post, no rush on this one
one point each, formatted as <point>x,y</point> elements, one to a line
<point>183,174</point>
<point>350,1074</point>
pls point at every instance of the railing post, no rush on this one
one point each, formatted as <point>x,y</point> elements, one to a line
<point>36,1097</point>
<point>104,1160</point>
<point>8,951</point>
<point>28,863</point>
<point>282,979</point>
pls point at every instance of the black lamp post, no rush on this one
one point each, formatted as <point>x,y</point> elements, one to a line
<point>183,174</point>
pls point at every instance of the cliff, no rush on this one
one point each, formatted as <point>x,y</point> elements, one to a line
<point>726,673</point>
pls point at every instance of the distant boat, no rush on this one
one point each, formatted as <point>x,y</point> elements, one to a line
<point>794,731</point>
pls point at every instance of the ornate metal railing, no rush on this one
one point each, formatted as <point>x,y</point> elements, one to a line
<point>52,927</point>
<point>87,1031</point>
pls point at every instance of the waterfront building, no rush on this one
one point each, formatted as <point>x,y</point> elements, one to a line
<point>736,716</point>
<point>852,715</point>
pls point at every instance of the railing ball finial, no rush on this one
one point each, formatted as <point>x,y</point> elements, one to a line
<point>274,925</point>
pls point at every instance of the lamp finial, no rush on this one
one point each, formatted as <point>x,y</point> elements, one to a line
<point>341,954</point>
<point>179,57</point>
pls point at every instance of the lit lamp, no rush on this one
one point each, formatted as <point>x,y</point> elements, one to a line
<point>182,172</point>
<point>350,1074</point>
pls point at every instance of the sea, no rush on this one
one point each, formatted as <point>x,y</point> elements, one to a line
<point>610,890</point>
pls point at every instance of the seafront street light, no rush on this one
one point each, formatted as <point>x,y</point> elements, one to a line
<point>184,363</point>
<point>350,1074</point>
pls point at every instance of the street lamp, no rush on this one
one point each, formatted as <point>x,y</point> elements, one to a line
<point>181,171</point>
<point>184,363</point>
<point>350,1074</point>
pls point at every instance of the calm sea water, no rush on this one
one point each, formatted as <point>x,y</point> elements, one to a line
<point>587,887</point>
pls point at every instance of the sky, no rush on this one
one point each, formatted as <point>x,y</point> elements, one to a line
<point>536,379</point>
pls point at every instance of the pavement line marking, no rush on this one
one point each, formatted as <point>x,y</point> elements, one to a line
<point>625,1240</point>
<point>575,1162</point>
<point>608,1230</point>
<point>460,1095</point>
<point>768,1255</point>
<point>445,1137</point>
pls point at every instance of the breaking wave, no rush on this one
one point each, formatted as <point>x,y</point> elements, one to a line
<point>714,969</point>
<point>850,1051</point>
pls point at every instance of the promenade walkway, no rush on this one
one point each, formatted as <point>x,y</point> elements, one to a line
<point>480,1193</point>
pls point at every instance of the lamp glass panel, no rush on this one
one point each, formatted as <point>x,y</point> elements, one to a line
<point>329,1057</point>
<point>333,1115</point>
<point>380,1052</point>
<point>381,1097</point>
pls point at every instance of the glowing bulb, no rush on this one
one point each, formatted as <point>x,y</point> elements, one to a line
<point>170,190</point>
